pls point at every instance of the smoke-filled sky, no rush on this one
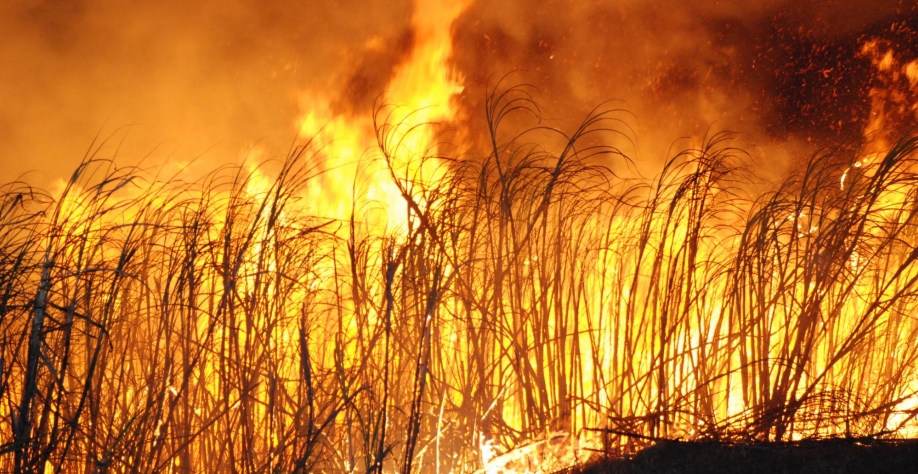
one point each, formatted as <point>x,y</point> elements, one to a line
<point>178,80</point>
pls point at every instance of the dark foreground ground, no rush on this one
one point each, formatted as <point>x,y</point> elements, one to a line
<point>834,456</point>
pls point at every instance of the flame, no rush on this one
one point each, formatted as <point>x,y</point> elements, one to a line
<point>576,322</point>
<point>420,97</point>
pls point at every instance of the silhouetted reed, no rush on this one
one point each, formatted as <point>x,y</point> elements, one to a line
<point>155,325</point>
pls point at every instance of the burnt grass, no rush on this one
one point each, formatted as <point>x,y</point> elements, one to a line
<point>835,456</point>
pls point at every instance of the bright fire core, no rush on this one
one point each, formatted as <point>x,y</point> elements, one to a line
<point>387,299</point>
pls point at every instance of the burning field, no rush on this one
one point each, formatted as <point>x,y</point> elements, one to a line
<point>490,247</point>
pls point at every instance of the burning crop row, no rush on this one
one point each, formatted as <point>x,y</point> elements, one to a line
<point>153,325</point>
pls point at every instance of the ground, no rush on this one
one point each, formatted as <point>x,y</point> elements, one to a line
<point>834,456</point>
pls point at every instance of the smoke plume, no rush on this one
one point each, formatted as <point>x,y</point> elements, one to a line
<point>183,79</point>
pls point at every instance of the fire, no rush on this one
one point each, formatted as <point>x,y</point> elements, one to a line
<point>373,303</point>
<point>418,99</point>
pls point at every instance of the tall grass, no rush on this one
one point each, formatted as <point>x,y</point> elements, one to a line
<point>154,325</point>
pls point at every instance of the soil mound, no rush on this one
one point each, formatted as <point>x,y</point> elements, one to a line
<point>835,456</point>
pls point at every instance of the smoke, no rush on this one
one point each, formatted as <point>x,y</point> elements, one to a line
<point>171,78</point>
<point>787,76</point>
<point>215,79</point>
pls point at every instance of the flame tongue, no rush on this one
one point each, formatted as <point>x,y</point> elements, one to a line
<point>418,96</point>
<point>424,83</point>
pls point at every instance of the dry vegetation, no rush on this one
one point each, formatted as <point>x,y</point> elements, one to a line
<point>151,325</point>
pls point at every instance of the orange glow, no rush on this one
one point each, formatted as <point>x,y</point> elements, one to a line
<point>384,300</point>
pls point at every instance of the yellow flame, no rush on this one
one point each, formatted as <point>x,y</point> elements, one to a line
<point>420,93</point>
